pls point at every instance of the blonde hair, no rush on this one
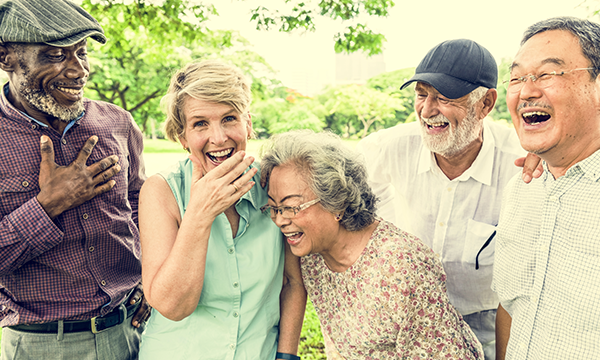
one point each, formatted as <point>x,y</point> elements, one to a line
<point>210,80</point>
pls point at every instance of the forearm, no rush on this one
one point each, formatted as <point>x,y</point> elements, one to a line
<point>503,325</point>
<point>25,234</point>
<point>293,305</point>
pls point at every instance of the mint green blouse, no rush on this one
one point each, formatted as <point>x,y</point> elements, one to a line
<point>238,313</point>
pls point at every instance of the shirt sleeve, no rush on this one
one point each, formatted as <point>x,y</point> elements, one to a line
<point>379,178</point>
<point>25,234</point>
<point>137,172</point>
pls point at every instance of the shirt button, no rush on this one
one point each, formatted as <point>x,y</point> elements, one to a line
<point>230,250</point>
<point>442,224</point>
<point>232,346</point>
<point>236,314</point>
<point>25,183</point>
<point>449,189</point>
<point>91,248</point>
<point>102,282</point>
<point>64,141</point>
<point>34,126</point>
<point>553,198</point>
<point>236,284</point>
<point>85,216</point>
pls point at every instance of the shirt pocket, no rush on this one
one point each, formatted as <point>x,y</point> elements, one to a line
<point>480,244</point>
<point>17,190</point>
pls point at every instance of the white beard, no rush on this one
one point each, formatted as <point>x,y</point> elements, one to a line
<point>455,139</point>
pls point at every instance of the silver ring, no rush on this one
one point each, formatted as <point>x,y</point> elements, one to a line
<point>235,187</point>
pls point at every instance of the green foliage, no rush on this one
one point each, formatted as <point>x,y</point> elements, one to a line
<point>311,339</point>
<point>147,42</point>
<point>302,14</point>
<point>369,106</point>
<point>150,40</point>
<point>390,83</point>
<point>500,111</point>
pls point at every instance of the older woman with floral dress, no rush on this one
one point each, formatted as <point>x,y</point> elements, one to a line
<point>379,292</point>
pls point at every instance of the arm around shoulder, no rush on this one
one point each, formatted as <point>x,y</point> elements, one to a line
<point>503,325</point>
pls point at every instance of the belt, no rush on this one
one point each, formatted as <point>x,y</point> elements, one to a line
<point>95,324</point>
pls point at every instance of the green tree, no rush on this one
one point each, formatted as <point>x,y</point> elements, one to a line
<point>146,44</point>
<point>369,106</point>
<point>149,41</point>
<point>501,109</point>
<point>389,83</point>
<point>301,14</point>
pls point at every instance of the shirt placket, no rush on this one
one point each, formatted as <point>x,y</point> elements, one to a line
<point>555,189</point>
<point>443,216</point>
<point>235,285</point>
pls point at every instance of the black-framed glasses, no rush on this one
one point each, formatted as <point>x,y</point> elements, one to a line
<point>543,80</point>
<point>288,212</point>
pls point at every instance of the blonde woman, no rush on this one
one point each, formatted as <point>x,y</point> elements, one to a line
<point>213,264</point>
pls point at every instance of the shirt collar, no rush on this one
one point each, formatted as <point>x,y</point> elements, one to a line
<point>590,167</point>
<point>29,118</point>
<point>481,169</point>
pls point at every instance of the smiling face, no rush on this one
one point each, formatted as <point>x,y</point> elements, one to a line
<point>560,123</point>
<point>213,131</point>
<point>312,230</point>
<point>48,81</point>
<point>448,126</point>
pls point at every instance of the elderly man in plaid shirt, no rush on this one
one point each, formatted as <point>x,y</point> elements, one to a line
<point>70,173</point>
<point>548,251</point>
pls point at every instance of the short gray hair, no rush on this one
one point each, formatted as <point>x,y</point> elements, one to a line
<point>587,32</point>
<point>477,94</point>
<point>335,173</point>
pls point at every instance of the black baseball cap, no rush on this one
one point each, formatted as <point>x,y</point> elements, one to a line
<point>54,22</point>
<point>457,67</point>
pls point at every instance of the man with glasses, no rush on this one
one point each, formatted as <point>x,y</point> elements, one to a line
<point>548,251</point>
<point>442,177</point>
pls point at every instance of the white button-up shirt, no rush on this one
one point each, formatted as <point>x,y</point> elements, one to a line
<point>547,271</point>
<point>455,218</point>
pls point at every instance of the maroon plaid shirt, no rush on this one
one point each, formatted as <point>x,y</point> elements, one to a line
<point>84,262</point>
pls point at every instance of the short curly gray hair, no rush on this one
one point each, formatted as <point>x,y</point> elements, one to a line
<point>209,80</point>
<point>336,174</point>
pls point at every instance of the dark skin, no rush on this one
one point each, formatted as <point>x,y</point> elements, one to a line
<point>62,73</point>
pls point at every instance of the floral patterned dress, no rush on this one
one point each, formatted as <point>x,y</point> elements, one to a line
<point>390,304</point>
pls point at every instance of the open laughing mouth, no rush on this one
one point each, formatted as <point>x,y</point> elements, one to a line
<point>293,238</point>
<point>535,117</point>
<point>220,156</point>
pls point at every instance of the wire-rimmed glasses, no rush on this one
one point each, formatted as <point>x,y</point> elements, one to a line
<point>288,212</point>
<point>542,81</point>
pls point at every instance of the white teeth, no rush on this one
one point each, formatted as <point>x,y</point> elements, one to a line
<point>435,124</point>
<point>533,113</point>
<point>291,234</point>
<point>70,91</point>
<point>220,153</point>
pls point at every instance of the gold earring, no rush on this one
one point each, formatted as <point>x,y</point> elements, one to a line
<point>338,217</point>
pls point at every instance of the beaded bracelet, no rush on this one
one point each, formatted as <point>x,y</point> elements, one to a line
<point>286,356</point>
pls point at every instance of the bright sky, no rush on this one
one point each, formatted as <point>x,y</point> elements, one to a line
<point>307,61</point>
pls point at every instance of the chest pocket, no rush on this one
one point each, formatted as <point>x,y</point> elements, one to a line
<point>480,244</point>
<point>17,190</point>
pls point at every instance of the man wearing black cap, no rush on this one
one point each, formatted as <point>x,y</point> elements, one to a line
<point>442,177</point>
<point>70,173</point>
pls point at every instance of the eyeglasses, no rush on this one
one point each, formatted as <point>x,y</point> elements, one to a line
<point>543,81</point>
<point>288,212</point>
